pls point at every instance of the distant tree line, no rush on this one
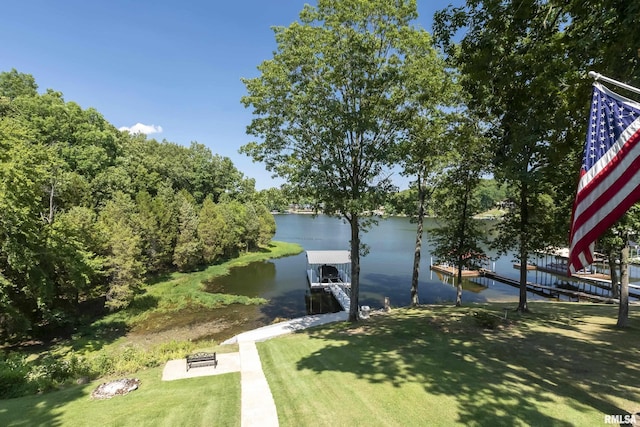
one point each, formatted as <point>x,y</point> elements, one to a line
<point>488,194</point>
<point>89,212</point>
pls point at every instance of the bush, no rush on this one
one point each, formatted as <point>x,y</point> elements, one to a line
<point>13,376</point>
<point>486,320</point>
<point>19,377</point>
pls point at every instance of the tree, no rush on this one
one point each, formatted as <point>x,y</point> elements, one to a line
<point>521,99</point>
<point>211,230</point>
<point>430,90</point>
<point>156,223</point>
<point>458,238</point>
<point>14,84</point>
<point>124,252</point>
<point>423,155</point>
<point>331,104</point>
<point>187,254</point>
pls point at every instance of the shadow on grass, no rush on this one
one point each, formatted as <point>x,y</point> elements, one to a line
<point>41,410</point>
<point>498,377</point>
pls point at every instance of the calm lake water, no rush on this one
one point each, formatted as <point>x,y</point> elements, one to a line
<point>385,272</point>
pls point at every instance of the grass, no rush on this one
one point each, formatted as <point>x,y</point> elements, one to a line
<point>563,364</point>
<point>172,296</point>
<point>171,317</point>
<point>180,291</point>
<point>203,401</point>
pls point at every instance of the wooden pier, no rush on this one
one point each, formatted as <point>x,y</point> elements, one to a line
<point>550,291</point>
<point>597,280</point>
<point>453,271</point>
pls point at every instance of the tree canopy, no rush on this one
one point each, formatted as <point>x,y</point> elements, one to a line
<point>87,211</point>
<point>332,104</point>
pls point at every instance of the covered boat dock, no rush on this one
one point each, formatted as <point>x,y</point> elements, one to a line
<point>331,271</point>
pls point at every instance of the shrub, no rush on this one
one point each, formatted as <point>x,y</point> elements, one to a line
<point>13,376</point>
<point>486,320</point>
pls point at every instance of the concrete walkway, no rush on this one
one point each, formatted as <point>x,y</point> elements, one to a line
<point>257,405</point>
<point>287,327</point>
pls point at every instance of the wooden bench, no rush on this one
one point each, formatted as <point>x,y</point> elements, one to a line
<point>201,359</point>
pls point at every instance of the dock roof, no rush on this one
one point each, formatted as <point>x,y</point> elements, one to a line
<point>328,257</point>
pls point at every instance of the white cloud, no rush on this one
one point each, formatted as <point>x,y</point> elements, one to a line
<point>140,128</point>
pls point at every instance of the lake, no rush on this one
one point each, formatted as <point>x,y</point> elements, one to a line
<point>385,272</point>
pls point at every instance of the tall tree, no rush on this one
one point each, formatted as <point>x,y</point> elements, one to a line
<point>188,251</point>
<point>124,248</point>
<point>423,156</point>
<point>521,98</point>
<point>430,91</point>
<point>458,239</point>
<point>330,106</point>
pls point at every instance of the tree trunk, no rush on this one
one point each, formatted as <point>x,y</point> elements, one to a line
<point>417,253</point>
<point>462,238</point>
<point>354,309</point>
<point>459,286</point>
<point>613,273</point>
<point>623,307</point>
<point>524,245</point>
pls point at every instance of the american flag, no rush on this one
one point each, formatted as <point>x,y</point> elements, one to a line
<point>610,174</point>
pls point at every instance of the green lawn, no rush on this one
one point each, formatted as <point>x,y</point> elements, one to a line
<point>203,401</point>
<point>561,365</point>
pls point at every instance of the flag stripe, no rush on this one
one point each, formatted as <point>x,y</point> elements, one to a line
<point>605,218</point>
<point>608,183</point>
<point>610,177</point>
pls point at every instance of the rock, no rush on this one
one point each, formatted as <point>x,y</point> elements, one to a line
<point>115,388</point>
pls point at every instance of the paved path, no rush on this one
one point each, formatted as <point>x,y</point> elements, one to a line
<point>287,327</point>
<point>257,405</point>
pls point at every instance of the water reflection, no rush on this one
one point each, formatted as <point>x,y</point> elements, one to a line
<point>385,272</point>
<point>253,282</point>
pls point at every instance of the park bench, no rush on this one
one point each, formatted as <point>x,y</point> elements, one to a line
<point>201,359</point>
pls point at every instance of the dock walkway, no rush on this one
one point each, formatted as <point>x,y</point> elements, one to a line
<point>549,291</point>
<point>341,296</point>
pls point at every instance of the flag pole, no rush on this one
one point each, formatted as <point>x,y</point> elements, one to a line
<point>597,77</point>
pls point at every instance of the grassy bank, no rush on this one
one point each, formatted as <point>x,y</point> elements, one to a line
<point>181,291</point>
<point>171,317</point>
<point>563,364</point>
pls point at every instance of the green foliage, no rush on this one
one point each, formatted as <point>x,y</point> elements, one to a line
<point>87,211</point>
<point>490,193</point>
<point>211,231</point>
<point>124,248</point>
<point>14,84</point>
<point>332,103</point>
<point>20,376</point>
<point>188,251</point>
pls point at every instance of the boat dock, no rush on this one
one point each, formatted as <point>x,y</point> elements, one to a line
<point>331,271</point>
<point>550,291</point>
<point>453,271</point>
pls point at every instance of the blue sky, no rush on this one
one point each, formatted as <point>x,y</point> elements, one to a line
<point>174,67</point>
